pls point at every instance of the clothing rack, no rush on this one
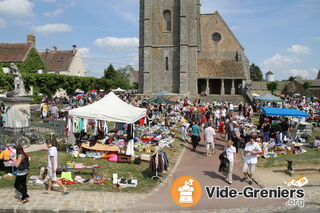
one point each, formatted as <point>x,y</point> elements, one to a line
<point>157,174</point>
<point>159,148</point>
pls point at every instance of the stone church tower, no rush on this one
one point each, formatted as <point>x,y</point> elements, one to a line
<point>169,41</point>
<point>185,52</point>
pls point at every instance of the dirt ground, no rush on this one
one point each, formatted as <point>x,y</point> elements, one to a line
<point>276,176</point>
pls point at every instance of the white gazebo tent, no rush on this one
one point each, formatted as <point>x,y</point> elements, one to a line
<point>110,108</point>
<point>119,90</point>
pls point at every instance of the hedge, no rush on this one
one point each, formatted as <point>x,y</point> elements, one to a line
<point>50,83</point>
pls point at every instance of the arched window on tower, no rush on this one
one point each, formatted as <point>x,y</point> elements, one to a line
<point>167,21</point>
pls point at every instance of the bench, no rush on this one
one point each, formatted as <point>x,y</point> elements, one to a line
<point>290,162</point>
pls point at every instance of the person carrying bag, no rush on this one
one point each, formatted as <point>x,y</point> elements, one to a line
<point>22,165</point>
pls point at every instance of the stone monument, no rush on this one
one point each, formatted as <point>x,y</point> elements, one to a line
<point>17,105</point>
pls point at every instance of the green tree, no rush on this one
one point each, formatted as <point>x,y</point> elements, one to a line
<point>272,86</point>
<point>306,85</point>
<point>110,73</point>
<point>32,63</point>
<point>255,73</point>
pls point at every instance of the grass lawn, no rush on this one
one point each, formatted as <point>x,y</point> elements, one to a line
<point>140,172</point>
<point>280,160</point>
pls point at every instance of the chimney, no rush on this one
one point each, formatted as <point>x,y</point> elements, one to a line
<point>54,48</point>
<point>74,49</point>
<point>31,39</point>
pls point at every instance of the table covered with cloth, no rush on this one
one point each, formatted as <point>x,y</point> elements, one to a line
<point>101,147</point>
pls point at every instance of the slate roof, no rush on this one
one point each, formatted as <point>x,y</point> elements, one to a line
<point>59,60</point>
<point>14,52</point>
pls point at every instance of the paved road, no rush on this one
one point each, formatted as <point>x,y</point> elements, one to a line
<point>205,170</point>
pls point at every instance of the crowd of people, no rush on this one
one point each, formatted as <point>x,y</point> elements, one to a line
<point>213,121</point>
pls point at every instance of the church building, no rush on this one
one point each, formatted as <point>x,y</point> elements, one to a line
<point>182,51</point>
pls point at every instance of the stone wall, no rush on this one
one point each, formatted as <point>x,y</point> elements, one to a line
<point>178,46</point>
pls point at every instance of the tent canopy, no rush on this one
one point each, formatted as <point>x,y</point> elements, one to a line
<point>270,111</point>
<point>160,100</point>
<point>269,98</point>
<point>110,108</point>
<point>162,92</point>
<point>119,90</point>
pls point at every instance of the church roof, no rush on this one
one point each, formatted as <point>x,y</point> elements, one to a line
<point>217,14</point>
<point>14,52</point>
<point>220,68</point>
<point>59,60</point>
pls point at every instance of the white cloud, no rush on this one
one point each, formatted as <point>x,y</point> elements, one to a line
<point>52,28</point>
<point>316,38</point>
<point>299,49</point>
<point>304,73</point>
<point>84,52</point>
<point>280,61</point>
<point>54,13</point>
<point>50,1</point>
<point>3,23</point>
<point>115,43</point>
<point>16,7</point>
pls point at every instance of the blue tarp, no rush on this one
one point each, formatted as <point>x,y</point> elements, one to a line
<point>270,111</point>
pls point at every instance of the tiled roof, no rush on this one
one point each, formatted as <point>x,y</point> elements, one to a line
<point>14,52</point>
<point>220,68</point>
<point>57,61</point>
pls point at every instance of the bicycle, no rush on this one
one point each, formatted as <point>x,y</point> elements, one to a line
<point>30,138</point>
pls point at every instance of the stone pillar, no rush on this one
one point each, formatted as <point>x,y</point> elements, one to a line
<point>18,112</point>
<point>232,88</point>
<point>222,87</point>
<point>207,87</point>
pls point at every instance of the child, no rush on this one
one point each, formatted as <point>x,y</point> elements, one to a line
<point>221,130</point>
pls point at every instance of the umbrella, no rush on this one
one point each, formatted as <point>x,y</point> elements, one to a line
<point>159,100</point>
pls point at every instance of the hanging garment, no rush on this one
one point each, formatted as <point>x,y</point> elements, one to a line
<point>74,125</point>
<point>130,148</point>
<point>95,132</point>
<point>130,131</point>
<point>106,128</point>
<point>85,124</point>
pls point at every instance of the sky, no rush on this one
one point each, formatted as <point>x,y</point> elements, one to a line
<point>282,36</point>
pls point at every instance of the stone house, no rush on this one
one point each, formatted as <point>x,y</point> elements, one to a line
<point>64,62</point>
<point>16,52</point>
<point>185,52</point>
